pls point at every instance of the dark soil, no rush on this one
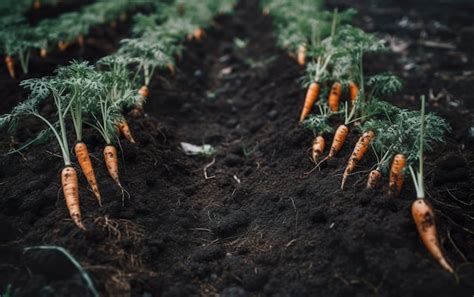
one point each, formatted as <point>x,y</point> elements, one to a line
<point>259,225</point>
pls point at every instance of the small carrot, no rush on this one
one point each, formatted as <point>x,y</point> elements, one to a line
<point>317,148</point>
<point>353,92</point>
<point>334,96</point>
<point>359,150</point>
<point>111,161</point>
<point>311,96</point>
<point>144,91</point>
<point>71,194</point>
<point>374,177</point>
<point>125,130</point>
<point>80,40</point>
<point>171,68</point>
<point>84,160</point>
<point>43,52</point>
<point>198,34</point>
<point>301,56</point>
<point>36,4</point>
<point>424,218</point>
<point>339,138</point>
<point>62,45</point>
<point>10,62</point>
<point>396,174</point>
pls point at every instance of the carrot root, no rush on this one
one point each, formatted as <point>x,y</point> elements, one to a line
<point>359,150</point>
<point>374,178</point>
<point>335,96</point>
<point>301,56</point>
<point>317,148</point>
<point>396,174</point>
<point>111,162</point>
<point>311,96</point>
<point>423,215</point>
<point>43,53</point>
<point>71,194</point>
<point>62,45</point>
<point>353,92</point>
<point>85,163</point>
<point>10,62</point>
<point>125,131</point>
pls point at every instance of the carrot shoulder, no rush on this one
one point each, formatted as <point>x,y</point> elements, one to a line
<point>111,162</point>
<point>10,66</point>
<point>125,131</point>
<point>396,174</point>
<point>71,194</point>
<point>301,56</point>
<point>373,180</point>
<point>311,96</point>
<point>423,216</point>
<point>317,148</point>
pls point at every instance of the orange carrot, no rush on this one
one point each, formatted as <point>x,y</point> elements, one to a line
<point>334,96</point>
<point>311,96</point>
<point>423,216</point>
<point>198,34</point>
<point>339,138</point>
<point>301,56</point>
<point>125,130</point>
<point>62,45</point>
<point>353,92</point>
<point>360,148</point>
<point>396,174</point>
<point>374,177</point>
<point>84,160</point>
<point>317,148</point>
<point>71,194</point>
<point>43,52</point>
<point>80,40</point>
<point>111,161</point>
<point>171,68</point>
<point>10,66</point>
<point>144,91</point>
<point>37,5</point>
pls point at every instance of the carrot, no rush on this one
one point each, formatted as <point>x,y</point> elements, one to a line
<point>374,177</point>
<point>339,138</point>
<point>198,34</point>
<point>144,91</point>
<point>360,148</point>
<point>396,174</point>
<point>334,96</point>
<point>353,92</point>
<point>301,56</point>
<point>125,130</point>
<point>171,68</point>
<point>111,161</point>
<point>423,216</point>
<point>10,65</point>
<point>43,52</point>
<point>311,96</point>
<point>80,40</point>
<point>84,160</point>
<point>71,194</point>
<point>37,5</point>
<point>317,148</point>
<point>62,45</point>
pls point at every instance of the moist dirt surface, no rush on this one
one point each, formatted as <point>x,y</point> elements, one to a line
<point>252,220</point>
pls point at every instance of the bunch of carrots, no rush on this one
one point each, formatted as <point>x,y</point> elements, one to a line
<point>333,55</point>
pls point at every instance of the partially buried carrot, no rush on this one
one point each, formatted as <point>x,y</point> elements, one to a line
<point>423,216</point>
<point>171,68</point>
<point>339,138</point>
<point>317,148</point>
<point>43,52</point>
<point>301,56</point>
<point>396,174</point>
<point>125,130</point>
<point>111,161</point>
<point>374,177</point>
<point>198,34</point>
<point>71,194</point>
<point>360,148</point>
<point>311,96</point>
<point>334,96</point>
<point>62,45</point>
<point>10,66</point>
<point>353,92</point>
<point>84,160</point>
